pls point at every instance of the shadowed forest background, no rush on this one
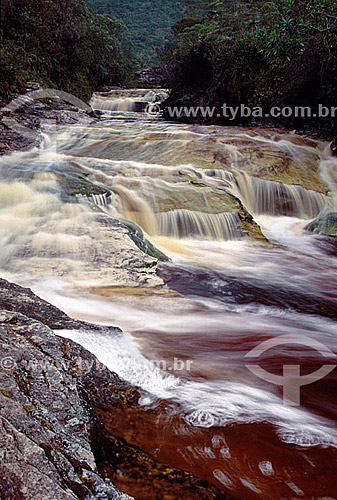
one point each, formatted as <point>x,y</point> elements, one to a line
<point>277,53</point>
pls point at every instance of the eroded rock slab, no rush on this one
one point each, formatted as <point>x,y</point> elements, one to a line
<point>52,435</point>
<point>45,423</point>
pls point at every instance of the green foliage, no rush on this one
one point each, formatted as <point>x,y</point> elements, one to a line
<point>283,52</point>
<point>60,43</point>
<point>148,21</point>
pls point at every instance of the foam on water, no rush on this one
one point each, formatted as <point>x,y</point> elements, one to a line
<point>210,403</point>
<point>121,355</point>
<point>207,403</point>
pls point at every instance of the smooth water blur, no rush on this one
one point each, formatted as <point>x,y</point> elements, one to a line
<point>224,293</point>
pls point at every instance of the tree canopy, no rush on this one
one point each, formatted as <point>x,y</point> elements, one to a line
<point>148,21</point>
<point>279,52</point>
<point>61,43</point>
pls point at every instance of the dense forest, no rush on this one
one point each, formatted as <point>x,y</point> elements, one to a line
<point>277,53</point>
<point>148,22</point>
<point>61,43</point>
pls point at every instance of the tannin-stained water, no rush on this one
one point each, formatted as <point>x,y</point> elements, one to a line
<point>225,293</point>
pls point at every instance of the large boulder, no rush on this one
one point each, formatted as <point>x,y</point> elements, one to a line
<point>55,442</point>
<point>45,423</point>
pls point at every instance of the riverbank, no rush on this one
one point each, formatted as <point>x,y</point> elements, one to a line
<point>186,106</point>
<point>262,56</point>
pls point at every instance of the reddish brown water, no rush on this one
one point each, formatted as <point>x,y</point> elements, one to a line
<point>209,415</point>
<point>218,420</point>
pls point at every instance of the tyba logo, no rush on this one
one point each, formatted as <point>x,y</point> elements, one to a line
<point>291,380</point>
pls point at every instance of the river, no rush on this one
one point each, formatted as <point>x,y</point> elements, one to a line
<point>201,195</point>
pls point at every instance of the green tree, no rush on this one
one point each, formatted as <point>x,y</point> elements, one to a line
<point>281,52</point>
<point>61,43</point>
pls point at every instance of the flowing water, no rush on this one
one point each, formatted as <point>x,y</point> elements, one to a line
<point>186,342</point>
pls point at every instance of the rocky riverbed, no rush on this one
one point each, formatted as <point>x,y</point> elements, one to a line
<point>58,402</point>
<point>30,113</point>
<point>57,405</point>
<point>86,220</point>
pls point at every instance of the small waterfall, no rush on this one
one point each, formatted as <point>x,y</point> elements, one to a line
<point>106,104</point>
<point>178,223</point>
<point>132,207</point>
<point>220,174</point>
<point>328,171</point>
<point>275,198</point>
<point>185,223</point>
<point>127,100</point>
<point>101,200</point>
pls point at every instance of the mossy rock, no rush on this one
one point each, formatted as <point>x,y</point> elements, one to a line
<point>325,225</point>
<point>196,197</point>
<point>78,185</point>
<point>137,236</point>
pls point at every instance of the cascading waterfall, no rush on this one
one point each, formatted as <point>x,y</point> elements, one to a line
<point>328,170</point>
<point>262,197</point>
<point>141,205</point>
<point>185,223</point>
<point>105,104</point>
<point>101,200</point>
<point>134,208</point>
<point>177,223</point>
<point>220,174</point>
<point>126,100</point>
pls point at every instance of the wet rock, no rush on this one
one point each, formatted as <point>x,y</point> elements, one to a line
<point>193,281</point>
<point>108,88</point>
<point>269,162</point>
<point>140,106</point>
<point>116,448</point>
<point>55,441</point>
<point>74,183</point>
<point>21,300</point>
<point>32,86</point>
<point>153,76</point>
<point>96,113</point>
<point>268,154</point>
<point>44,421</point>
<point>32,114</point>
<point>196,196</point>
<point>151,480</point>
<point>101,249</point>
<point>249,227</point>
<point>144,244</point>
<point>325,225</point>
<point>12,141</point>
<point>333,147</point>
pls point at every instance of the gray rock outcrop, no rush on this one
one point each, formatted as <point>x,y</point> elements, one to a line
<point>54,444</point>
